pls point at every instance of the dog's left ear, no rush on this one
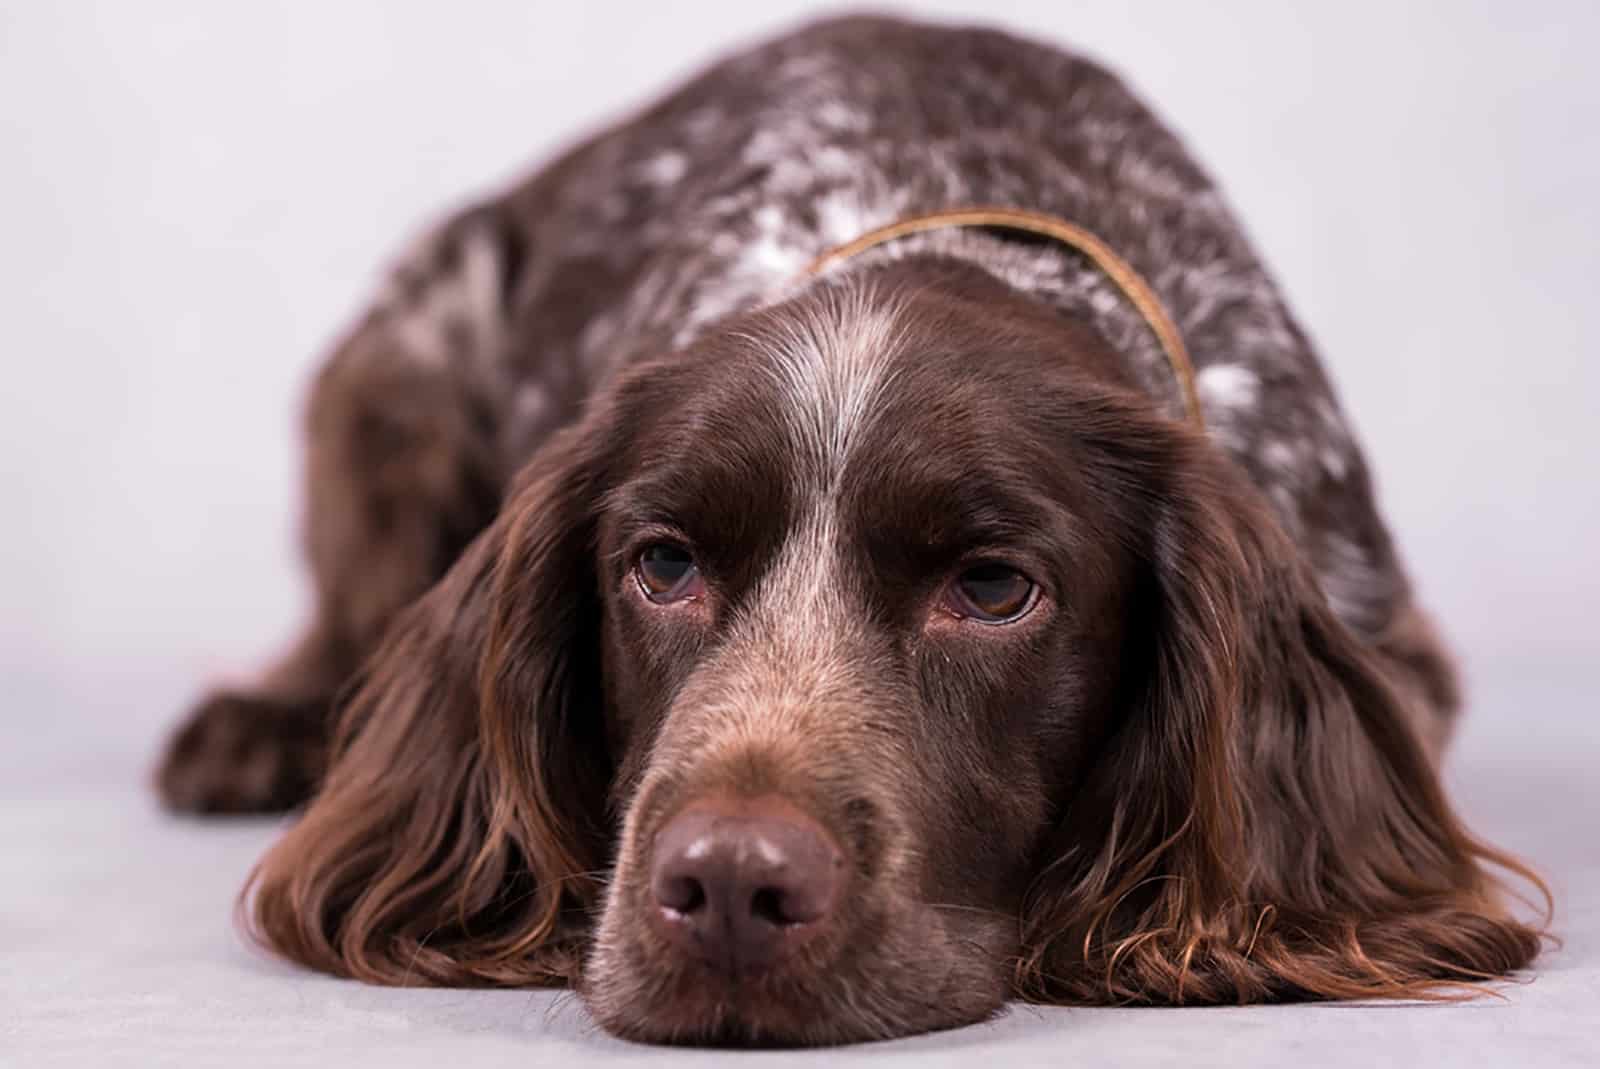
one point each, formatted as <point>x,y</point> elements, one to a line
<point>1264,821</point>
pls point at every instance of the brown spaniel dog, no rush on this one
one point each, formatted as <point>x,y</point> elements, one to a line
<point>787,651</point>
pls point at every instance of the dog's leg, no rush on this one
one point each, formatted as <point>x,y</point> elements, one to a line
<point>260,749</point>
<point>1422,669</point>
<point>403,471</point>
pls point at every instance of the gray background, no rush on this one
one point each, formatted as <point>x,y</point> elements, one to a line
<point>194,198</point>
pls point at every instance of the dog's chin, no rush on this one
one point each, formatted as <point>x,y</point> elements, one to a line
<point>637,992</point>
<point>695,1008</point>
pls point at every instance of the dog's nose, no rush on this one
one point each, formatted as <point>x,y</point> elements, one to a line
<point>739,883</point>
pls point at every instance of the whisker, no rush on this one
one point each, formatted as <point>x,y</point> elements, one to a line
<point>952,907</point>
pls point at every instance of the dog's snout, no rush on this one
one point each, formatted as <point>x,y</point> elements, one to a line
<point>738,883</point>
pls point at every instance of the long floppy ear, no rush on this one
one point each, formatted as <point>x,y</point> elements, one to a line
<point>1263,821</point>
<point>456,836</point>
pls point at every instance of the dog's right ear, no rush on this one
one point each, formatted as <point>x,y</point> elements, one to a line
<point>455,838</point>
<point>1264,821</point>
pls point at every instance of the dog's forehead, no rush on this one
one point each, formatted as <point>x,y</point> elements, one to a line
<point>860,387</point>
<point>884,422</point>
<point>863,420</point>
<point>831,361</point>
<point>783,397</point>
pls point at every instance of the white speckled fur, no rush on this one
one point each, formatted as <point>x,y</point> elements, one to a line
<point>717,201</point>
<point>831,367</point>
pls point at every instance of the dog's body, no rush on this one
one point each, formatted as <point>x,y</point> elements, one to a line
<point>603,316</point>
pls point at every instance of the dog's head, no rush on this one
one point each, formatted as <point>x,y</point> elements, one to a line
<point>882,656</point>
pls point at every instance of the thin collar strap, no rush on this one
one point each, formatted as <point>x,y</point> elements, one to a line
<point>1133,286</point>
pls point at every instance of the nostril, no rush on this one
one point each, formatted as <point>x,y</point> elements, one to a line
<point>767,905</point>
<point>683,894</point>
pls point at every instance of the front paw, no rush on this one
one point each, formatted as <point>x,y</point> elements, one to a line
<point>240,753</point>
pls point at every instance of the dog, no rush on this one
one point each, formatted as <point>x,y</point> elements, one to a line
<point>860,541</point>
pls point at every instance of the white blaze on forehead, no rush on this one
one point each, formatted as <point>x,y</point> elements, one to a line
<point>832,358</point>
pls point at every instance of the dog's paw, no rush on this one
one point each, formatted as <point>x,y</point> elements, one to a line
<point>240,753</point>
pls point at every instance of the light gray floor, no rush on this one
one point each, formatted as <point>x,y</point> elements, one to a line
<point>116,946</point>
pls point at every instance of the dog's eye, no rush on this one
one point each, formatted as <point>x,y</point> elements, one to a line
<point>667,572</point>
<point>991,593</point>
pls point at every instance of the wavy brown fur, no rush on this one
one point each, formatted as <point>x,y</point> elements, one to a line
<point>415,865</point>
<point>1268,824</point>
